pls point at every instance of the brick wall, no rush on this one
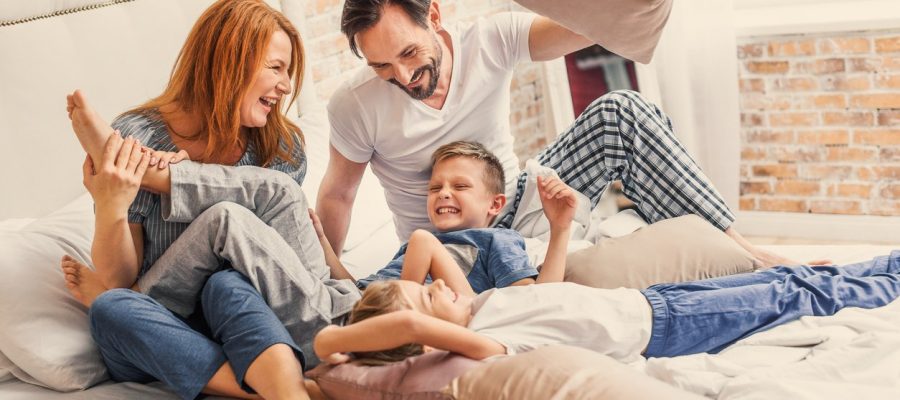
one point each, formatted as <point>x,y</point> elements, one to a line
<point>820,123</point>
<point>331,62</point>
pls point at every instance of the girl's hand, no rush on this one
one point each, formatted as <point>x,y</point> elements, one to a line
<point>559,201</point>
<point>317,225</point>
<point>162,159</point>
<point>114,182</point>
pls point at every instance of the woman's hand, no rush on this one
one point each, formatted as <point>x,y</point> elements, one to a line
<point>114,182</point>
<point>161,159</point>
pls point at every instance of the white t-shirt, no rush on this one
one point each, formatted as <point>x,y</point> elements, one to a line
<point>374,121</point>
<point>614,322</point>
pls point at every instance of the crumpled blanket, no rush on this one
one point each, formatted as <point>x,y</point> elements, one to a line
<point>854,354</point>
<point>588,226</point>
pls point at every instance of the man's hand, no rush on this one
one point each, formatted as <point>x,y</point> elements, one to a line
<point>114,183</point>
<point>559,201</point>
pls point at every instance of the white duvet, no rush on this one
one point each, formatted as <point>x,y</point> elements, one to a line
<point>853,355</point>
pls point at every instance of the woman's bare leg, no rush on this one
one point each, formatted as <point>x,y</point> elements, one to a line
<point>276,374</point>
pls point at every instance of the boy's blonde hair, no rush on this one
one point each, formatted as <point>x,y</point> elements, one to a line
<point>494,178</point>
<point>379,298</point>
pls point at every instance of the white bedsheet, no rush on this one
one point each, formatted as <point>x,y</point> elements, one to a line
<point>854,354</point>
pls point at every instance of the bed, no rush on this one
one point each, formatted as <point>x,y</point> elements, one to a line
<point>120,52</point>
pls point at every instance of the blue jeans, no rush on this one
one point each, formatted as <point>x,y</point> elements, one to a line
<point>708,315</point>
<point>142,341</point>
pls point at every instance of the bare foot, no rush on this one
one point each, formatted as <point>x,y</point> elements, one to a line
<point>82,282</point>
<point>92,131</point>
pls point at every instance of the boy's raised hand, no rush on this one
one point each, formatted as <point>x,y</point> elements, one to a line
<point>559,201</point>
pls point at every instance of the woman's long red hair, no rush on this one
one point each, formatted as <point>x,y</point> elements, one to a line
<point>216,67</point>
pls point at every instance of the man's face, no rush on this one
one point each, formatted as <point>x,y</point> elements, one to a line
<point>403,53</point>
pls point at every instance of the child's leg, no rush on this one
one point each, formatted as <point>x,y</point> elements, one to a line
<point>690,319</point>
<point>93,132</point>
<point>229,232</point>
<point>273,196</point>
<point>426,255</point>
<point>90,129</point>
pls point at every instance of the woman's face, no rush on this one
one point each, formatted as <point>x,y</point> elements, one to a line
<point>271,83</point>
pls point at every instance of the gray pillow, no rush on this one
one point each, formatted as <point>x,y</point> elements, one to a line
<point>680,249</point>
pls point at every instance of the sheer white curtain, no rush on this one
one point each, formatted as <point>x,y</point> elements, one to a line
<point>693,76</point>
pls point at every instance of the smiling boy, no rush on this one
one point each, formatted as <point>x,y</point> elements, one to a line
<point>465,194</point>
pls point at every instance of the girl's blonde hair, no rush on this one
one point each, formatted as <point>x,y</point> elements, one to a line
<point>218,65</point>
<point>379,298</point>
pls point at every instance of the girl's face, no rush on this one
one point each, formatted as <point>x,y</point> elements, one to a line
<point>438,300</point>
<point>271,83</point>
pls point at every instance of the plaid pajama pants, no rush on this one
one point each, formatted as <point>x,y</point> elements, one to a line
<point>622,136</point>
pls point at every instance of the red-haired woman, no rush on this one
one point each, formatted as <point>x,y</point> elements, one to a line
<point>179,233</point>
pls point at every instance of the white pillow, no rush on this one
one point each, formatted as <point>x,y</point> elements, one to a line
<point>370,211</point>
<point>43,330</point>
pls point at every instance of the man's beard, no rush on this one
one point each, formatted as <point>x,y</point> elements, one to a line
<point>423,92</point>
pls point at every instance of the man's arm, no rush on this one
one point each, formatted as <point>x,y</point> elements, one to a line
<point>398,328</point>
<point>336,196</point>
<point>548,40</point>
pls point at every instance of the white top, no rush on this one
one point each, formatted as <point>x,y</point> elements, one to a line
<point>614,322</point>
<point>374,121</point>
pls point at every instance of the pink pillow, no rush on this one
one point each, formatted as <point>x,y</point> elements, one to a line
<point>421,377</point>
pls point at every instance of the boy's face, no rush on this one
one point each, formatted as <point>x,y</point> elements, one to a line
<point>458,198</point>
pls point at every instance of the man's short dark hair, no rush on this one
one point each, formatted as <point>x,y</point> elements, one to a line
<point>360,15</point>
<point>494,177</point>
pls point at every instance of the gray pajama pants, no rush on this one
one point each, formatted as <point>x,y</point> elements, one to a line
<point>256,221</point>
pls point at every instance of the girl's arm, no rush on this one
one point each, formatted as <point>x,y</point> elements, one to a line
<point>395,329</point>
<point>338,271</point>
<point>425,255</point>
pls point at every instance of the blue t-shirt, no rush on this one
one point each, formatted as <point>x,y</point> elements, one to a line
<point>490,258</point>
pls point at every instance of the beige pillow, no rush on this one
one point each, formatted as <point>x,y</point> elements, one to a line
<point>629,28</point>
<point>680,249</point>
<point>560,372</point>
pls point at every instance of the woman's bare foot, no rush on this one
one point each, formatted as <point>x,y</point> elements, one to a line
<point>92,131</point>
<point>82,282</point>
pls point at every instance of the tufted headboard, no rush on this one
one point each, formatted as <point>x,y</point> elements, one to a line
<point>120,52</point>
